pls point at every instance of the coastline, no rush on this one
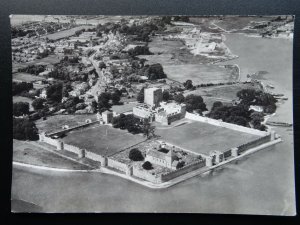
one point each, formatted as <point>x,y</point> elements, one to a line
<point>182,178</point>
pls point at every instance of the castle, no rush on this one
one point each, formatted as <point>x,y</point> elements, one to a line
<point>154,109</point>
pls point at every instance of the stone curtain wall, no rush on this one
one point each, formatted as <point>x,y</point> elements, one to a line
<point>49,140</point>
<point>72,148</point>
<point>71,128</point>
<point>231,126</point>
<point>93,156</point>
<point>254,143</point>
<point>116,165</point>
<point>183,170</point>
<point>145,175</point>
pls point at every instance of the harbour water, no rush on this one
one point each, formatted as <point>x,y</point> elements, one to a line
<point>262,183</point>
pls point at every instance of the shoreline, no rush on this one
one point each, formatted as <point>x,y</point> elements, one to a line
<point>182,178</point>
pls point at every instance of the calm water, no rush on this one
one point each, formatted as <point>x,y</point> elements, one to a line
<point>261,184</point>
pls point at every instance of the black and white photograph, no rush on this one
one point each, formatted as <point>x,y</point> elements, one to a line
<point>153,114</point>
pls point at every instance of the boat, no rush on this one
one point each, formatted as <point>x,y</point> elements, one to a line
<point>281,124</point>
<point>278,95</point>
<point>270,86</point>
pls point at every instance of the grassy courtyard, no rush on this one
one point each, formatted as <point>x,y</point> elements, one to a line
<point>102,139</point>
<point>203,138</point>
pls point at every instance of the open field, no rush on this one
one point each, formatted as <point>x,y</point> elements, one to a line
<point>227,92</point>
<point>103,140</point>
<point>26,77</point>
<point>238,23</point>
<point>56,122</point>
<point>51,59</point>
<point>26,152</point>
<point>66,33</point>
<point>203,138</point>
<point>23,99</point>
<point>199,74</point>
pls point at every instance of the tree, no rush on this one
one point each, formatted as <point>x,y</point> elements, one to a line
<point>148,130</point>
<point>180,164</point>
<point>103,101</point>
<point>115,97</point>
<point>147,165</point>
<point>54,92</point>
<point>179,98</point>
<point>20,108</point>
<point>136,155</point>
<point>102,65</point>
<point>188,84</point>
<point>18,88</point>
<point>154,71</point>
<point>38,103</point>
<point>216,105</point>
<point>139,50</point>
<point>165,95</point>
<point>194,102</point>
<point>24,129</point>
<point>140,96</point>
<point>166,19</point>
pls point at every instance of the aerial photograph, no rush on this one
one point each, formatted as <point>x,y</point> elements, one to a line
<point>156,114</point>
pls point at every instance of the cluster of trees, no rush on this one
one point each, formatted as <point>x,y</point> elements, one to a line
<point>78,32</point>
<point>61,72</point>
<point>258,97</point>
<point>54,92</point>
<point>44,53</point>
<point>20,108</point>
<point>188,85</point>
<point>19,32</point>
<point>181,18</point>
<point>105,97</point>
<point>128,122</point>
<point>19,87</point>
<point>153,72</point>
<point>193,102</point>
<point>239,114</point>
<point>24,129</point>
<point>33,69</point>
<point>136,155</point>
<point>38,103</point>
<point>70,59</point>
<point>139,50</point>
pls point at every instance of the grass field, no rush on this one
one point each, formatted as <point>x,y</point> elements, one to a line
<point>66,33</point>
<point>223,93</point>
<point>203,138</point>
<point>199,73</point>
<point>232,23</point>
<point>26,77</point>
<point>26,152</point>
<point>56,122</point>
<point>23,99</point>
<point>103,139</point>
